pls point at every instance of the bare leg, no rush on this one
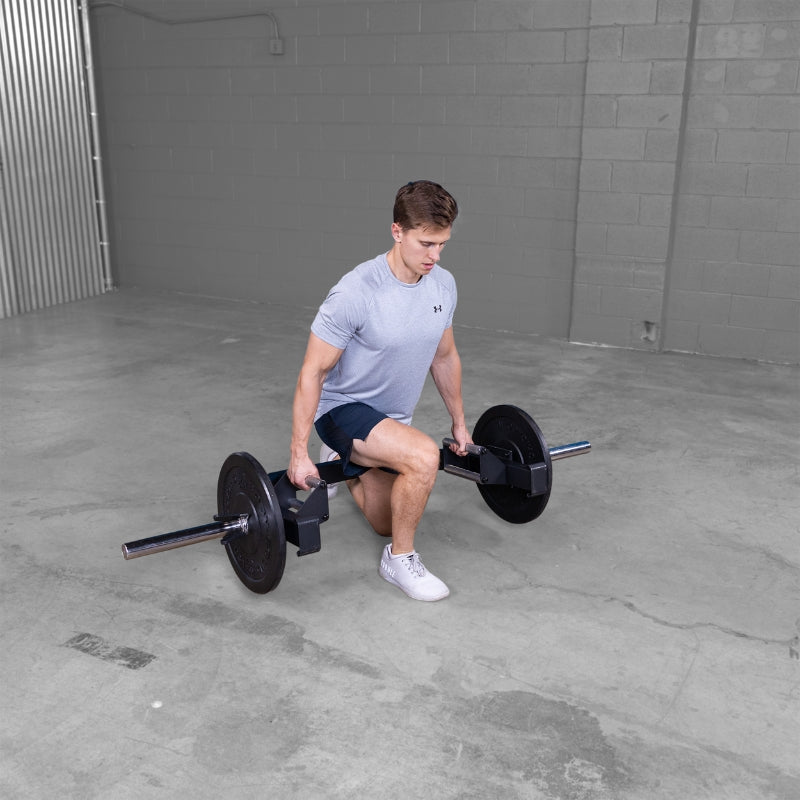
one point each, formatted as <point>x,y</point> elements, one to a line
<point>402,497</point>
<point>372,492</point>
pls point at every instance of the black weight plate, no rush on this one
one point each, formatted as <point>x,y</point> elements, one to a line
<point>259,557</point>
<point>512,429</point>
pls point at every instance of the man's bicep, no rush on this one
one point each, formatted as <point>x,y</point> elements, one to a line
<point>320,355</point>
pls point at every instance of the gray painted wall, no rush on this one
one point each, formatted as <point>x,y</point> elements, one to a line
<point>629,172</point>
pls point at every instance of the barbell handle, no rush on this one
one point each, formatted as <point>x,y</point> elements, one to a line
<point>472,449</point>
<point>556,453</point>
<point>291,501</point>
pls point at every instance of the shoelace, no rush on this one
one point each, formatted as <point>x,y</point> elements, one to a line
<point>415,565</point>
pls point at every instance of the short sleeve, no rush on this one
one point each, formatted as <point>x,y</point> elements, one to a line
<point>339,317</point>
<point>453,292</point>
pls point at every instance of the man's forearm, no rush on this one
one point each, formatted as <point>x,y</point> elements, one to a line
<point>447,377</point>
<point>306,400</point>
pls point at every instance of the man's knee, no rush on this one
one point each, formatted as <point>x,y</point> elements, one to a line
<point>426,458</point>
<point>399,447</point>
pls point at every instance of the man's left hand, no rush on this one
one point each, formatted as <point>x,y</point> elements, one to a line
<point>462,437</point>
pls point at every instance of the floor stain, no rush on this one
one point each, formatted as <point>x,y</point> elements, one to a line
<point>556,746</point>
<point>98,647</point>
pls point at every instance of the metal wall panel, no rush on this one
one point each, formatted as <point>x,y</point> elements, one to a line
<point>50,222</point>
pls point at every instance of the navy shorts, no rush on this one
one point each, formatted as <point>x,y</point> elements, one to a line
<point>341,425</point>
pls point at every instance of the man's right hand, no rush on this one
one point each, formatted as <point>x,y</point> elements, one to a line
<point>301,467</point>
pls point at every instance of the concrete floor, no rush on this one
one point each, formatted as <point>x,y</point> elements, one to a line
<point>638,641</point>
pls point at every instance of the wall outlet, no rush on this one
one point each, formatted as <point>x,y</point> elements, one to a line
<point>276,47</point>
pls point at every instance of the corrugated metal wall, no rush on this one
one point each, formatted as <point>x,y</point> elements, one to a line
<point>52,232</point>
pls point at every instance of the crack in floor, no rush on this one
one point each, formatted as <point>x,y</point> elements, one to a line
<point>684,626</point>
<point>789,642</point>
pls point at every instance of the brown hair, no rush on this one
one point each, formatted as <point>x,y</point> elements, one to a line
<point>421,204</point>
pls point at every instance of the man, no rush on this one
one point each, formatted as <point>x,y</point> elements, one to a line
<point>373,341</point>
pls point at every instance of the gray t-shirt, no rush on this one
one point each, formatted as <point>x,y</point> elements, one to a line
<point>389,331</point>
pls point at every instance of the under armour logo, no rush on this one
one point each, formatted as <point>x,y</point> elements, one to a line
<point>437,309</point>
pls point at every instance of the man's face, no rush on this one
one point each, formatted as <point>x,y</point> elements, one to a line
<point>419,250</point>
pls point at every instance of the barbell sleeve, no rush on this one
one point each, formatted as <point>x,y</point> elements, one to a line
<point>170,541</point>
<point>569,450</point>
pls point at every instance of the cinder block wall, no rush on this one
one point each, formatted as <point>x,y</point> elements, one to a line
<point>603,170</point>
<point>735,281</point>
<point>689,210</point>
<point>238,173</point>
<point>635,82</point>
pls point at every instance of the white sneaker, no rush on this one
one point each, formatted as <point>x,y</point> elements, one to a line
<point>408,573</point>
<point>326,454</point>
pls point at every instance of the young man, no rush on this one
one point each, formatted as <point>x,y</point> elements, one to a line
<point>373,341</point>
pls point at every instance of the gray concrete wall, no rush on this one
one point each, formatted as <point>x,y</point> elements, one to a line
<point>736,270</point>
<point>689,206</point>
<point>603,170</point>
<point>633,115</point>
